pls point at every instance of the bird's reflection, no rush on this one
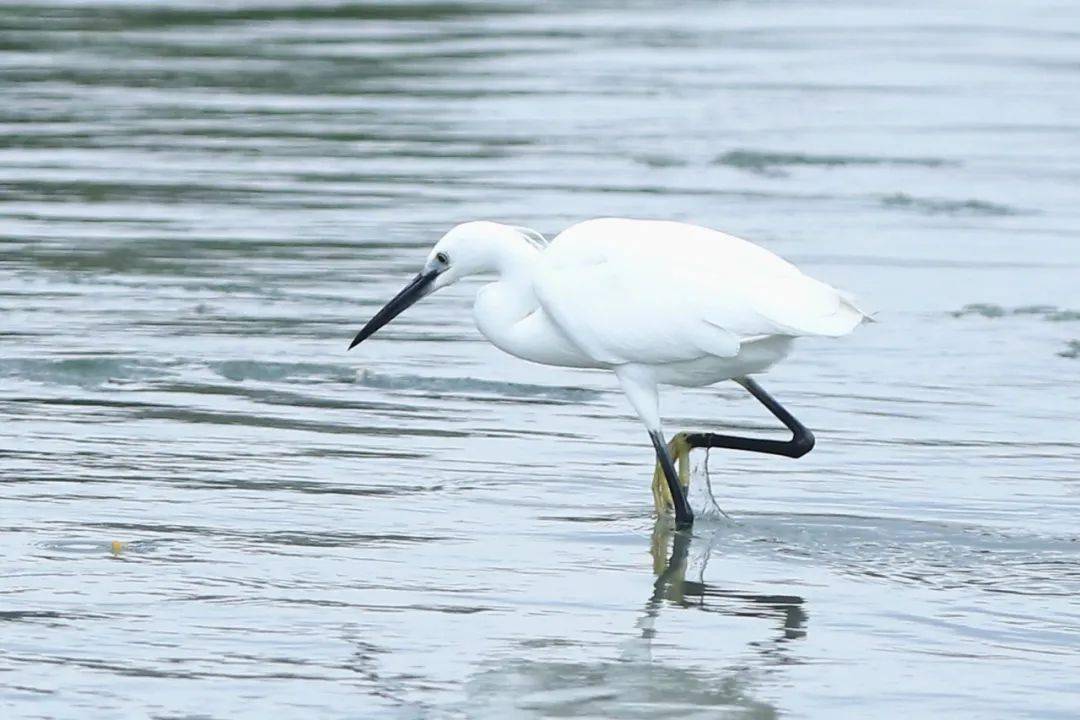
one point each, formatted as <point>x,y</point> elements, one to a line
<point>635,683</point>
<point>672,587</point>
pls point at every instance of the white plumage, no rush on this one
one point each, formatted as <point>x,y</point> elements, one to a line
<point>656,302</point>
<point>653,292</point>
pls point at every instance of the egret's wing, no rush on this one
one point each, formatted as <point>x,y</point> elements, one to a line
<point>658,292</point>
<point>615,313</point>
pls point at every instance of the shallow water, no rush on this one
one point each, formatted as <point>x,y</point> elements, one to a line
<point>201,202</point>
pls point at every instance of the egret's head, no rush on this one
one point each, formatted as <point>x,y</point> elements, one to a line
<point>471,248</point>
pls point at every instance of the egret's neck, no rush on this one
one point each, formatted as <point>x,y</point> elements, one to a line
<point>513,264</point>
<point>509,297</point>
<point>513,261</point>
<point>509,314</point>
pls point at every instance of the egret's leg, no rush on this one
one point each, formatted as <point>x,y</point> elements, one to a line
<point>679,449</point>
<point>801,442</point>
<point>639,384</point>
<point>684,516</point>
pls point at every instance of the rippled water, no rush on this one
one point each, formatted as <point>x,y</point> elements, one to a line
<point>209,509</point>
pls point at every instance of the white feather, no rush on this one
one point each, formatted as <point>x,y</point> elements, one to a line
<point>655,292</point>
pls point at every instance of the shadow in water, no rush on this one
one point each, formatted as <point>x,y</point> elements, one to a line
<point>633,683</point>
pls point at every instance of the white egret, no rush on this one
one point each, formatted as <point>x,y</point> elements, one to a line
<point>656,302</point>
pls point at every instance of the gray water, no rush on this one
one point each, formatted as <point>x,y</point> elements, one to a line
<point>200,203</point>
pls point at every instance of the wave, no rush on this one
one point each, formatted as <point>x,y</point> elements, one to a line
<point>769,163</point>
<point>473,385</point>
<point>82,371</point>
<point>268,371</point>
<point>1050,313</point>
<point>939,206</point>
<point>264,371</point>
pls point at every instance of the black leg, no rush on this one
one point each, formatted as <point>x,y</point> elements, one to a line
<point>801,442</point>
<point>684,516</point>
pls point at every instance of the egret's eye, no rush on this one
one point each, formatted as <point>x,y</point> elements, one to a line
<point>442,259</point>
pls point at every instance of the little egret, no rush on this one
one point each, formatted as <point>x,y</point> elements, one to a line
<point>656,302</point>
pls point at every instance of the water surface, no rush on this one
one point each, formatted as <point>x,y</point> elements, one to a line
<point>201,202</point>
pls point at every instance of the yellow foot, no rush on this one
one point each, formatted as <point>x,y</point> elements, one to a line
<point>680,454</point>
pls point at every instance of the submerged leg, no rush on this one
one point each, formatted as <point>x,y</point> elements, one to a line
<point>801,442</point>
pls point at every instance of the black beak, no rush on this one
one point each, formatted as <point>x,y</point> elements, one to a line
<point>416,289</point>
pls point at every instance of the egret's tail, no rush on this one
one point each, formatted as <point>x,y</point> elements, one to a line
<point>848,316</point>
<point>848,299</point>
<point>842,321</point>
